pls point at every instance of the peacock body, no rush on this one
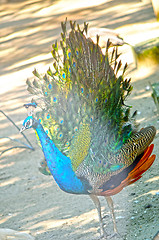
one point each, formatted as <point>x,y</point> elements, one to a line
<point>84,127</point>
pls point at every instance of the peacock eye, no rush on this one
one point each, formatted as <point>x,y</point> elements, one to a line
<point>28,123</point>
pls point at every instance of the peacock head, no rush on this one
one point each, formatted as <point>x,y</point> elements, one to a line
<point>29,122</point>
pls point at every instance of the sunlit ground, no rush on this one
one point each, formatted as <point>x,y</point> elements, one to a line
<point>28,28</point>
<point>27,31</point>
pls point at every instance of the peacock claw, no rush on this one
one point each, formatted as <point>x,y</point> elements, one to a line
<point>105,236</point>
<point>116,234</point>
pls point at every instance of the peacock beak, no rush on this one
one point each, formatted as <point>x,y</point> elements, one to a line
<point>22,129</point>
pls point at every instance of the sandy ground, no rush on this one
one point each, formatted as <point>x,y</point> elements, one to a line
<point>30,201</point>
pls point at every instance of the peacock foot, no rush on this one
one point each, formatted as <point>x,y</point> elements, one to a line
<point>102,237</point>
<point>115,235</point>
<point>105,236</point>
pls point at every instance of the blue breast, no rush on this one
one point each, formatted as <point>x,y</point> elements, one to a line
<point>60,165</point>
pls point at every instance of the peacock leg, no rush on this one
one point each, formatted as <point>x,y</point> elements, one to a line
<point>98,206</point>
<point>111,206</point>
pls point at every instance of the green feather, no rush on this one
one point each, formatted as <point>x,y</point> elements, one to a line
<point>81,90</point>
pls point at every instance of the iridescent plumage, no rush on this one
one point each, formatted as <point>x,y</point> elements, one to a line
<point>84,128</point>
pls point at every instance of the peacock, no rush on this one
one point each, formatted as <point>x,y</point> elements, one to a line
<point>90,142</point>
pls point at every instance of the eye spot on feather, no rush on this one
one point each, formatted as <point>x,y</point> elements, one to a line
<point>60,135</point>
<point>46,93</point>
<point>77,52</point>
<point>105,164</point>
<point>54,99</point>
<point>61,121</point>
<point>70,70</point>
<point>82,89</point>
<point>106,100</point>
<point>40,120</point>
<point>75,129</point>
<point>69,54</point>
<point>48,116</point>
<point>67,144</point>
<point>50,86</point>
<point>96,99</point>
<point>100,163</point>
<point>56,128</point>
<point>74,64</point>
<point>64,75</point>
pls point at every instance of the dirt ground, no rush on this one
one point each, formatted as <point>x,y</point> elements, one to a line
<point>30,201</point>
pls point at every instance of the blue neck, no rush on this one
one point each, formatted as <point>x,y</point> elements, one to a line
<point>59,165</point>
